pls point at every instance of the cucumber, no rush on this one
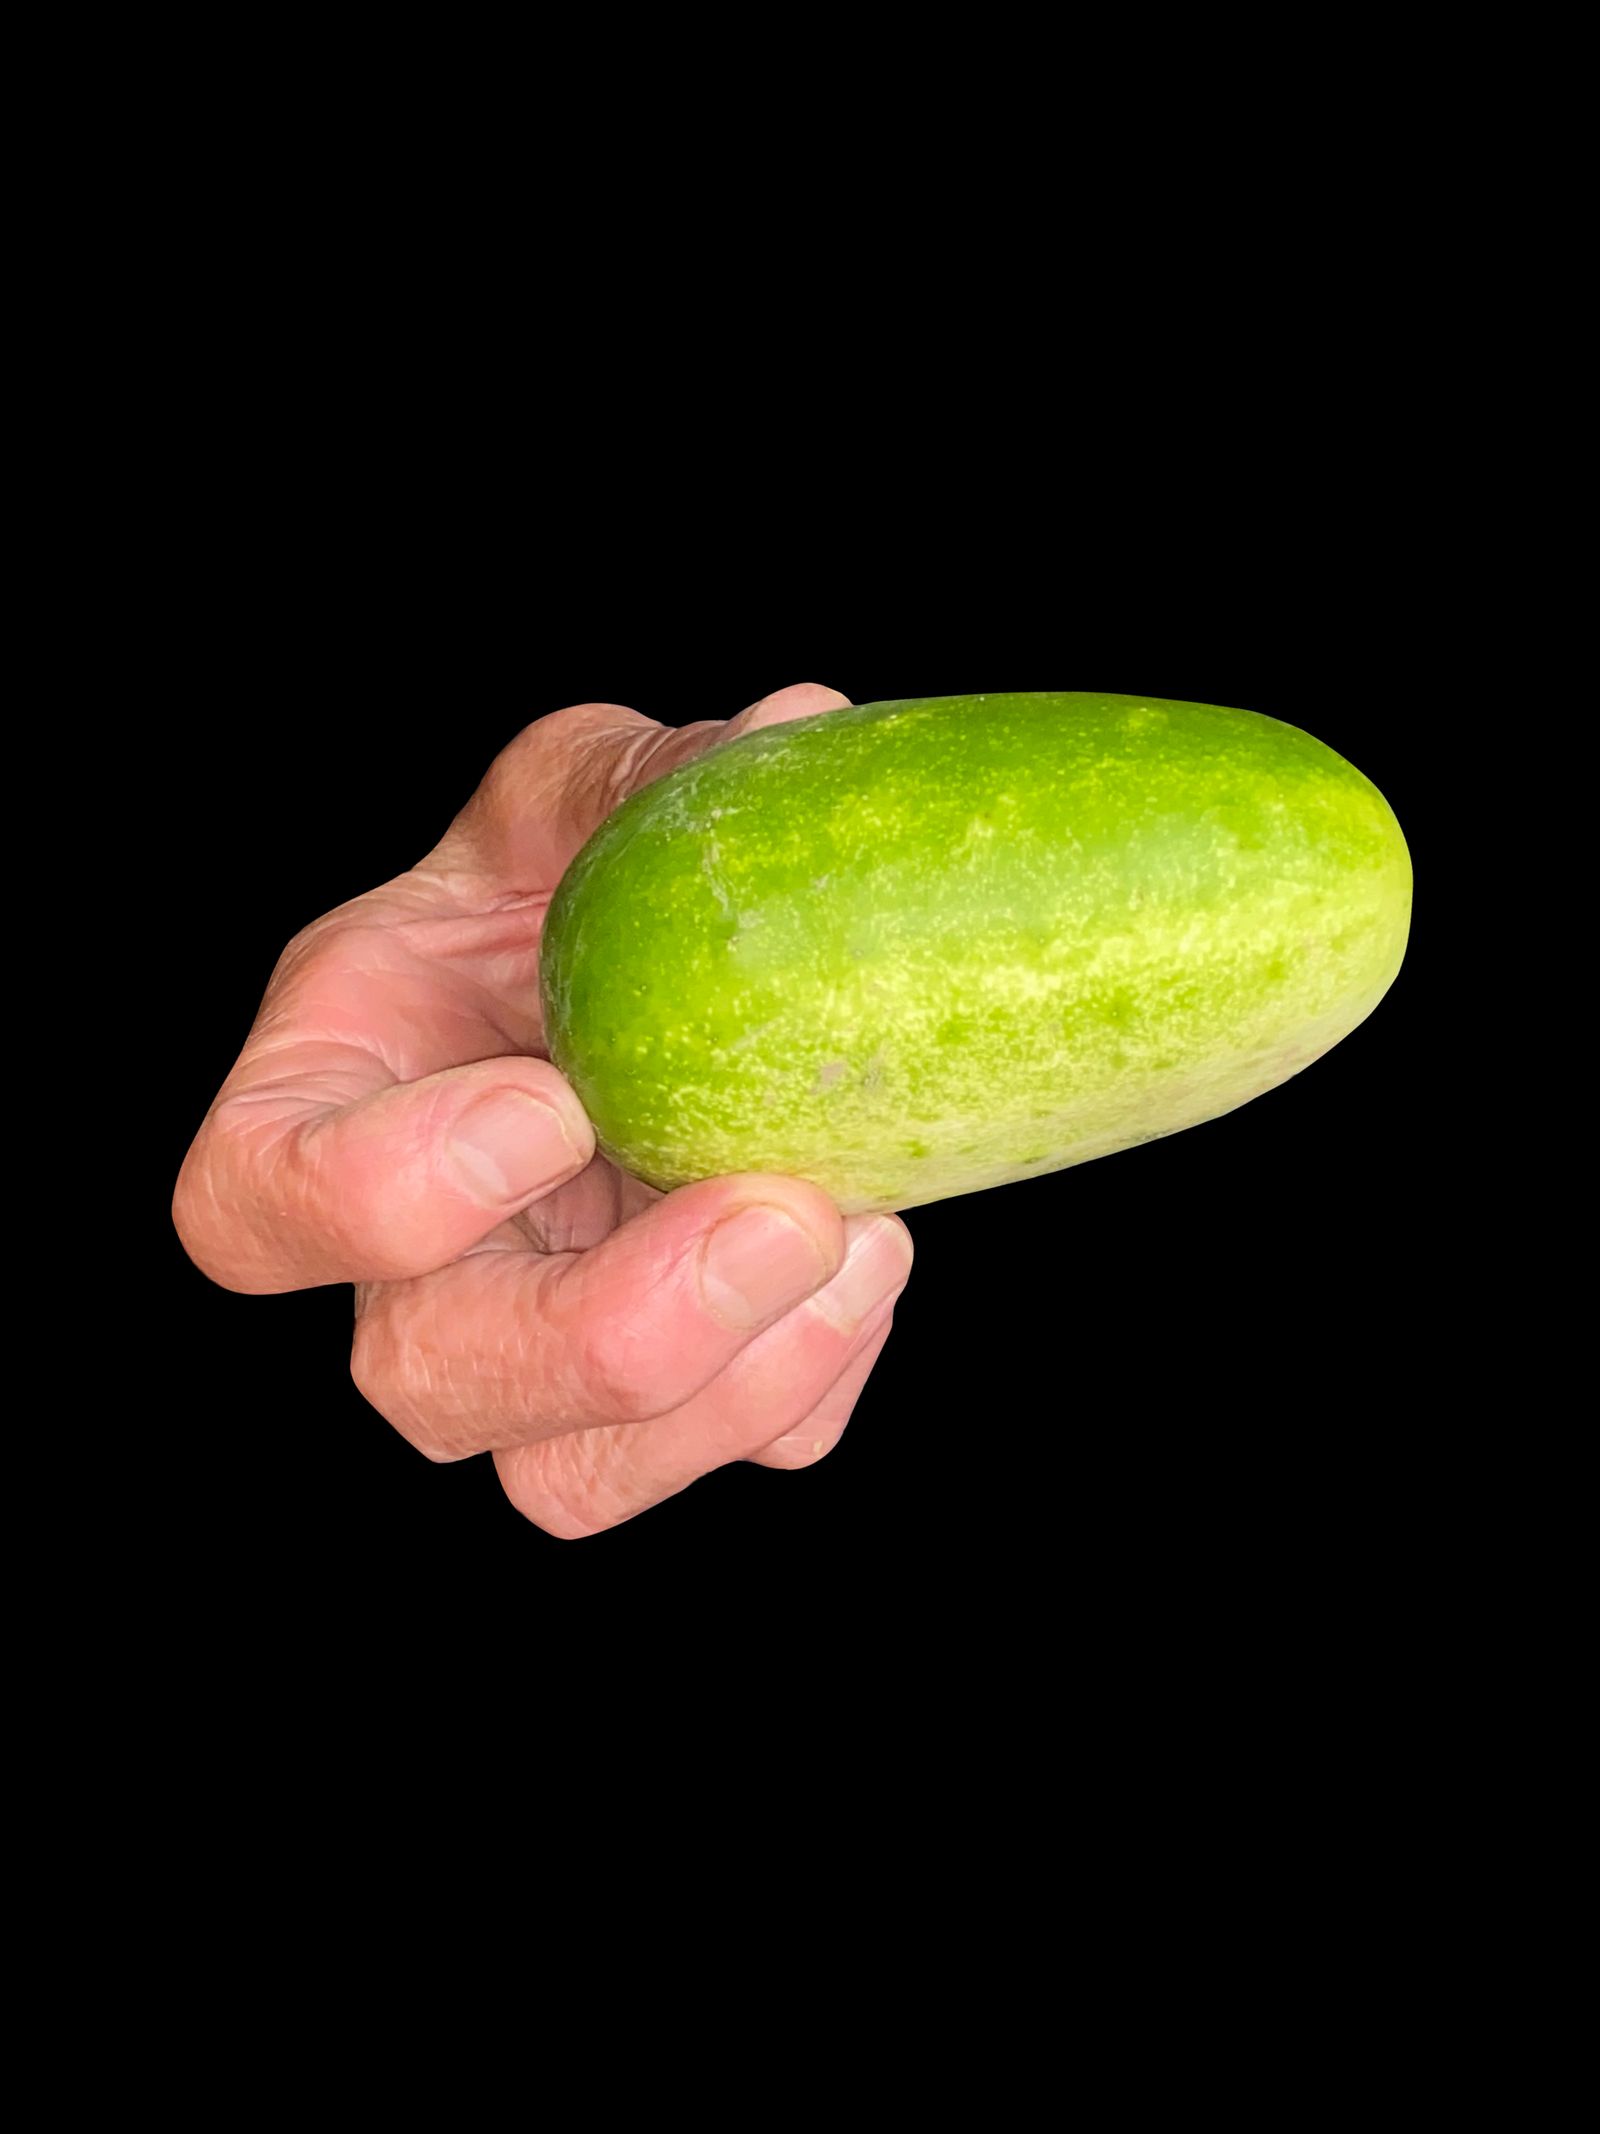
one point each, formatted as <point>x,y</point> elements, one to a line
<point>916,949</point>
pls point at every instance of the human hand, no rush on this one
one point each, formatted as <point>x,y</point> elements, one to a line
<point>392,1122</point>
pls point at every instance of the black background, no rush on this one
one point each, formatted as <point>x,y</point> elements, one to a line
<point>1176,1544</point>
<point>1193,1542</point>
<point>1188,1393</point>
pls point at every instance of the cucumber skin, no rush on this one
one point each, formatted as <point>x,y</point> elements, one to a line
<point>915,949</point>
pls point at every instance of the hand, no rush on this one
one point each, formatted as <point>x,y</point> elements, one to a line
<point>392,1122</point>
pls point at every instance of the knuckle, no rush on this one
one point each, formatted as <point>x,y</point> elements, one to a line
<point>559,736</point>
<point>579,718</point>
<point>619,1380</point>
<point>202,1218</point>
<point>325,957</point>
<point>187,1197</point>
<point>341,1202</point>
<point>391,1375</point>
<point>370,1356</point>
<point>565,1489</point>
<point>306,951</point>
<point>606,768</point>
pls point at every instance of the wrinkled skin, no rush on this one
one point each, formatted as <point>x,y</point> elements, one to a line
<point>515,1294</point>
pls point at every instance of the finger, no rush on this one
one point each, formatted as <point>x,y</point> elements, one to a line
<point>588,1480</point>
<point>552,787</point>
<point>542,797</point>
<point>284,1190</point>
<point>817,1433</point>
<point>576,1216</point>
<point>803,700</point>
<point>506,1348</point>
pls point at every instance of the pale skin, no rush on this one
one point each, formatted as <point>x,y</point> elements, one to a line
<point>391,1122</point>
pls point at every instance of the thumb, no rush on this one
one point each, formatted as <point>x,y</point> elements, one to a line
<point>282,1191</point>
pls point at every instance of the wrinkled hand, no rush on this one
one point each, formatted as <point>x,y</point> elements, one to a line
<point>391,1122</point>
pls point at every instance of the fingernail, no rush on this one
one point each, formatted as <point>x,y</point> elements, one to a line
<point>510,1144</point>
<point>758,1264</point>
<point>876,1262</point>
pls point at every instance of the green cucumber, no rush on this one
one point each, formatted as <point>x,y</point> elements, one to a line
<point>915,949</point>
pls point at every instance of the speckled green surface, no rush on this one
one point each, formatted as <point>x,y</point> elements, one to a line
<point>915,949</point>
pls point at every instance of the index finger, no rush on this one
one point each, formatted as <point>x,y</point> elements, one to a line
<point>550,789</point>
